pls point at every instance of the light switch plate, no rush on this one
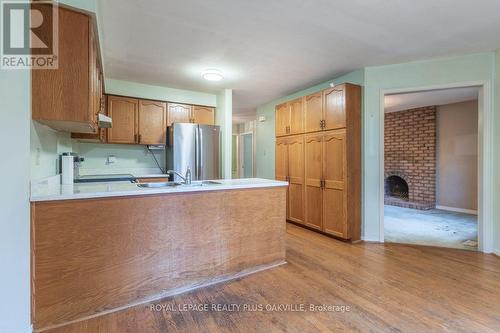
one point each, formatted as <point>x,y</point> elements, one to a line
<point>111,159</point>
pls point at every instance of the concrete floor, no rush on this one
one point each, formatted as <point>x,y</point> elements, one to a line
<point>430,227</point>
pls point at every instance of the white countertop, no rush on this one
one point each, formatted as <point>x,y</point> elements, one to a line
<point>50,191</point>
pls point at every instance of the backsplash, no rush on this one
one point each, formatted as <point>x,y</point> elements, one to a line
<point>133,159</point>
<point>47,145</point>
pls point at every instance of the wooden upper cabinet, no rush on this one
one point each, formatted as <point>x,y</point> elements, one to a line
<point>66,98</point>
<point>204,115</point>
<point>282,119</point>
<point>313,112</point>
<point>124,114</point>
<point>295,146</point>
<point>334,107</point>
<point>313,157</point>
<point>335,191</point>
<point>178,113</point>
<point>152,123</point>
<point>296,125</point>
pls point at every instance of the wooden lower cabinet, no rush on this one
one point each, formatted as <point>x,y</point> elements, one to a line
<point>290,167</point>
<point>86,262</point>
<point>152,180</point>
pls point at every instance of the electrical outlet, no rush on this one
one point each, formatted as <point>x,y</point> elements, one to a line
<point>37,156</point>
<point>111,159</point>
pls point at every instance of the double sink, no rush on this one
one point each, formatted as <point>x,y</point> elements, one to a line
<point>173,184</point>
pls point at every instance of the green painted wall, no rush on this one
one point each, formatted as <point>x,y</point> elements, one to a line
<point>265,131</point>
<point>15,107</point>
<point>496,150</point>
<point>140,90</point>
<point>471,68</point>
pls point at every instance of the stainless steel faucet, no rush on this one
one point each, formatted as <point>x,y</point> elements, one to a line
<point>186,178</point>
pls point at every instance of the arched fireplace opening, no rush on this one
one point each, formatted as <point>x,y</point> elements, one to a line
<point>396,187</point>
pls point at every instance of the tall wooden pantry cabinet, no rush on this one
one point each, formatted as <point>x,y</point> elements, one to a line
<point>322,163</point>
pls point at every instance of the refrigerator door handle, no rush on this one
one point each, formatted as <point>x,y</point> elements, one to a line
<point>196,152</point>
<point>199,163</point>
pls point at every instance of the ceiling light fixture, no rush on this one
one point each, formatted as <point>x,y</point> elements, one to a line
<point>212,75</point>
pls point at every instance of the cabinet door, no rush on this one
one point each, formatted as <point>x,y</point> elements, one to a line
<point>281,164</point>
<point>62,98</point>
<point>152,123</point>
<point>178,113</point>
<point>94,78</point>
<point>334,107</point>
<point>282,119</point>
<point>334,192</point>
<point>296,178</point>
<point>313,174</point>
<point>296,117</point>
<point>203,115</point>
<point>123,112</point>
<point>313,112</point>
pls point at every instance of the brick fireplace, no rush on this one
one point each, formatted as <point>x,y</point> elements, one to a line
<point>410,158</point>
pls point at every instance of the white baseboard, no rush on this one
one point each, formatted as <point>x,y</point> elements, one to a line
<point>496,252</point>
<point>458,210</point>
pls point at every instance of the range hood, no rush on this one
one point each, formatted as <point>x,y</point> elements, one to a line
<point>104,121</point>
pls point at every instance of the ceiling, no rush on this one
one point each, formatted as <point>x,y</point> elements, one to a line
<point>268,49</point>
<point>399,102</point>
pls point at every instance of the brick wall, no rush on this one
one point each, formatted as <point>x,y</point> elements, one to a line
<point>410,153</point>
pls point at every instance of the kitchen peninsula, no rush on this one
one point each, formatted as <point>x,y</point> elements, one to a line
<point>101,247</point>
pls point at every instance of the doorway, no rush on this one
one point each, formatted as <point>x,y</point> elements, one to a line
<point>246,155</point>
<point>432,176</point>
<point>243,147</point>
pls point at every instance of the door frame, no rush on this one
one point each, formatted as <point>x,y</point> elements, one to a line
<point>485,159</point>
<point>241,151</point>
<point>237,137</point>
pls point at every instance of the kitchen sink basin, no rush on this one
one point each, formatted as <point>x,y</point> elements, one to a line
<point>158,184</point>
<point>202,183</point>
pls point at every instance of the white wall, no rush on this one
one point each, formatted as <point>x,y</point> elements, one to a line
<point>15,106</point>
<point>223,118</point>
<point>457,155</point>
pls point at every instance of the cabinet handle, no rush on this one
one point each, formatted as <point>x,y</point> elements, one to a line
<point>139,140</point>
<point>322,124</point>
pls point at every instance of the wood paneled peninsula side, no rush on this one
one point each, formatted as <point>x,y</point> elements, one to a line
<point>97,248</point>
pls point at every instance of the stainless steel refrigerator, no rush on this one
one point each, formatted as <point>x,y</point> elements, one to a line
<point>194,146</point>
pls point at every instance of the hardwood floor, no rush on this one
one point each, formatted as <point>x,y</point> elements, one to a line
<point>388,288</point>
